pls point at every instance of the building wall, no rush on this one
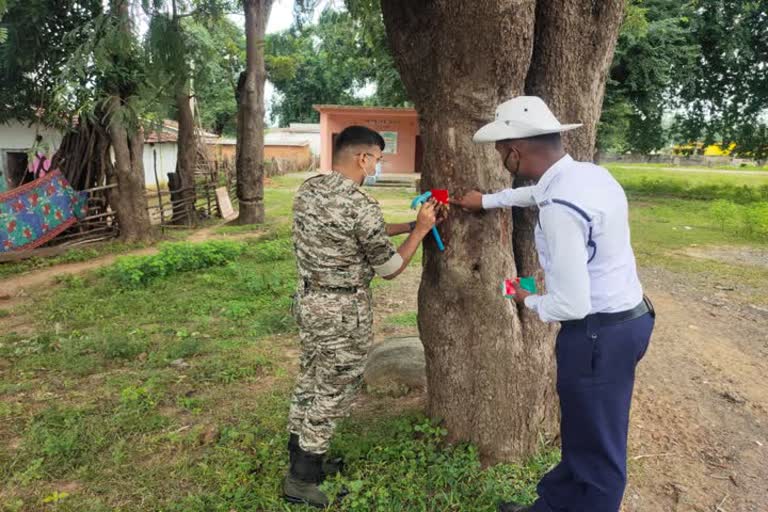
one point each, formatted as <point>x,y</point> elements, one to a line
<point>222,152</point>
<point>404,123</point>
<point>300,155</point>
<point>309,132</point>
<point>18,137</point>
<point>167,153</point>
<point>294,135</point>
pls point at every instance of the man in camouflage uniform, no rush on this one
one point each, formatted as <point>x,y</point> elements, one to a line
<point>341,242</point>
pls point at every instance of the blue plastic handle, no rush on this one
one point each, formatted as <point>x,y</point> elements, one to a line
<point>423,198</point>
<point>439,240</point>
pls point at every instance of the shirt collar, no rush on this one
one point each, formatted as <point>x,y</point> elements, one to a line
<point>344,180</point>
<point>553,172</point>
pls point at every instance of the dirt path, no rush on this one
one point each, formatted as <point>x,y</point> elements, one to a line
<point>699,433</point>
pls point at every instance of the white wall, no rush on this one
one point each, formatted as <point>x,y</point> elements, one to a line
<point>309,132</point>
<point>18,137</point>
<point>166,162</point>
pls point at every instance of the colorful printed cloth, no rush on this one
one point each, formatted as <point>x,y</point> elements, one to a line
<point>36,212</point>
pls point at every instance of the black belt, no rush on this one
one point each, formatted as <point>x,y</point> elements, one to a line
<point>605,319</point>
<point>333,289</point>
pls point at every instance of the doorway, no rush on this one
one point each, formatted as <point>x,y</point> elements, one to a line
<point>16,163</point>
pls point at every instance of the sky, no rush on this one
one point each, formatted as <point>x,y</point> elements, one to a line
<point>280,19</point>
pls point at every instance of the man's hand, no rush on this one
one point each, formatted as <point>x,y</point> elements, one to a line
<point>472,201</point>
<point>520,293</point>
<point>426,218</point>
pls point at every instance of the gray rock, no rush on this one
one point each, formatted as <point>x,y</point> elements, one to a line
<point>396,366</point>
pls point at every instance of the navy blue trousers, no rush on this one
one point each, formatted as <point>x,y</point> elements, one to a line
<point>595,378</point>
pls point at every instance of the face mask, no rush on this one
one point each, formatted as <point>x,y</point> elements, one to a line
<point>369,180</point>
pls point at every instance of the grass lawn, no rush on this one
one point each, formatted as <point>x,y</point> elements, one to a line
<point>632,174</point>
<point>151,387</point>
<point>147,387</point>
<point>745,167</point>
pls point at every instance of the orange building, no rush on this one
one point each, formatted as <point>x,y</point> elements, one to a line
<point>295,154</point>
<point>398,126</point>
<point>298,153</point>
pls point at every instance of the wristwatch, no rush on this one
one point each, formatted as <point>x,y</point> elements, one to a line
<point>412,225</point>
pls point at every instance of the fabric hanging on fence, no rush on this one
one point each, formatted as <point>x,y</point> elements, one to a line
<point>38,211</point>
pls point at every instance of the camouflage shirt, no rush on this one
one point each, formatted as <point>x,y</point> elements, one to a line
<point>339,234</point>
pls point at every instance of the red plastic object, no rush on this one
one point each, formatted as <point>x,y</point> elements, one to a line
<point>509,288</point>
<point>440,195</point>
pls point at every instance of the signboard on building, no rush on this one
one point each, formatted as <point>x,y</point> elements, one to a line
<point>390,141</point>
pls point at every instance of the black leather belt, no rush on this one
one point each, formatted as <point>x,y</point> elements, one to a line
<point>333,289</point>
<point>605,319</point>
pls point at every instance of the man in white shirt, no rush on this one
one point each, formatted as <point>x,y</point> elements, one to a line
<point>592,289</point>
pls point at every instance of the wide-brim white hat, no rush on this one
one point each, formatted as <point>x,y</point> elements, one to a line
<point>520,118</point>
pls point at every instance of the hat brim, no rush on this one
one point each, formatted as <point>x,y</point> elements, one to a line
<point>501,130</point>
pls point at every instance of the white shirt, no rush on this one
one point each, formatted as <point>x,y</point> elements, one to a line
<point>580,280</point>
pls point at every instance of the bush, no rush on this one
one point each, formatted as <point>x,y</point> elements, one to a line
<point>725,213</point>
<point>137,271</point>
<point>266,251</point>
<point>751,220</point>
<point>755,219</point>
<point>742,194</point>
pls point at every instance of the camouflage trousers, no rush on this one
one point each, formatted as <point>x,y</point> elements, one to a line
<point>336,332</point>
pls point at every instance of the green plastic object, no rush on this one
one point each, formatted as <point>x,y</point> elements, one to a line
<point>526,283</point>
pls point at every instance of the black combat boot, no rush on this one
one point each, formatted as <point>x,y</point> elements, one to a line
<point>303,480</point>
<point>330,467</point>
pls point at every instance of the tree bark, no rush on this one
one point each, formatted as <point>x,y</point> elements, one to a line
<point>250,116</point>
<point>490,379</point>
<point>573,51</point>
<point>129,201</point>
<point>186,160</point>
<point>487,384</point>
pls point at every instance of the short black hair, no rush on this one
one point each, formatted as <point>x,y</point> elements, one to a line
<point>357,136</point>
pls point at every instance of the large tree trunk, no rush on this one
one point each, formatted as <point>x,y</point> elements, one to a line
<point>129,200</point>
<point>490,365</point>
<point>186,160</point>
<point>488,379</point>
<point>575,40</point>
<point>250,116</point>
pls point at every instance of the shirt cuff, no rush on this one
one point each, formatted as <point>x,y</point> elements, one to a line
<point>391,266</point>
<point>490,201</point>
<point>532,302</point>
